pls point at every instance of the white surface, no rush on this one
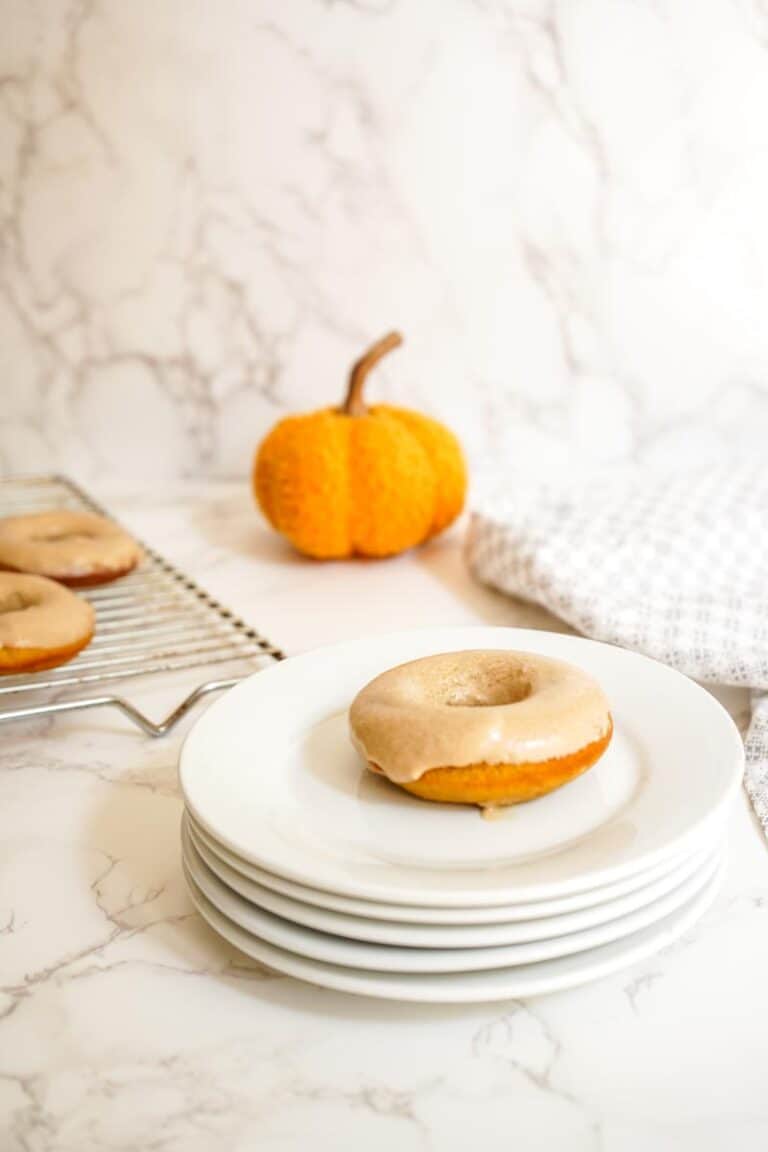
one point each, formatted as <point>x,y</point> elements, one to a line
<point>462,987</point>
<point>420,913</point>
<point>307,808</point>
<point>419,935</point>
<point>208,210</point>
<point>125,1022</point>
<point>355,954</point>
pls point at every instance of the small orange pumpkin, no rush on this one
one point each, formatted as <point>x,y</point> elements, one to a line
<point>360,481</point>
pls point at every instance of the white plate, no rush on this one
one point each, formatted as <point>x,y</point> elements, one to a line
<point>270,773</point>
<point>405,935</point>
<point>422,915</point>
<point>385,958</point>
<point>467,987</point>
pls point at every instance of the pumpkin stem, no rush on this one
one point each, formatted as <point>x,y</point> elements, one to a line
<point>353,405</point>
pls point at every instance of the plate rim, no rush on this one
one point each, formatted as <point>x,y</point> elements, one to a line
<point>591,918</point>
<point>436,988</point>
<point>421,913</point>
<point>349,953</point>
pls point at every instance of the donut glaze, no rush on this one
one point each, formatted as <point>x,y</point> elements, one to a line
<point>42,624</point>
<point>481,726</point>
<point>76,548</point>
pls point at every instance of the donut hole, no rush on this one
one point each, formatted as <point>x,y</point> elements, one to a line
<point>15,602</point>
<point>487,688</point>
<point>61,537</point>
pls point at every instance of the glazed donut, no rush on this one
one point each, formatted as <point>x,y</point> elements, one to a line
<point>75,548</point>
<point>486,727</point>
<point>42,624</point>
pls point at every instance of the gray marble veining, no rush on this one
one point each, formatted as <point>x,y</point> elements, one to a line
<point>206,211</point>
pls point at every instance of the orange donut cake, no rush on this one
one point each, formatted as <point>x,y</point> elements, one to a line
<point>481,727</point>
<point>42,624</point>
<point>75,548</point>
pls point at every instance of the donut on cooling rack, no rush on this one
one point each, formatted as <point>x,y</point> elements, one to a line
<point>75,548</point>
<point>487,727</point>
<point>42,624</point>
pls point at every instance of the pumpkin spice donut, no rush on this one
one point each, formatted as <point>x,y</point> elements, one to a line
<point>75,548</point>
<point>42,624</point>
<point>481,727</point>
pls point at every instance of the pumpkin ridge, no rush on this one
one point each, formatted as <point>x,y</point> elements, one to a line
<point>444,453</point>
<point>392,487</point>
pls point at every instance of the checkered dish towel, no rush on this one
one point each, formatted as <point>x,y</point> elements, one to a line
<point>674,566</point>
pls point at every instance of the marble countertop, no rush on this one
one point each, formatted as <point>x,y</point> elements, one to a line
<point>126,1024</point>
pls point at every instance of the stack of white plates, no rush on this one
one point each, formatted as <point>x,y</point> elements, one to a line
<point>306,861</point>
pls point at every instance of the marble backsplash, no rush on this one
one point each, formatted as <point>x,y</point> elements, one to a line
<point>208,209</point>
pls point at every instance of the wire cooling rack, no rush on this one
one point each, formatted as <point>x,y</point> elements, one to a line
<point>155,620</point>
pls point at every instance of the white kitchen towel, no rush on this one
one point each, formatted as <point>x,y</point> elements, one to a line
<point>675,566</point>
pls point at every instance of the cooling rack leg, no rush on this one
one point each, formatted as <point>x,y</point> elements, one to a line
<point>138,718</point>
